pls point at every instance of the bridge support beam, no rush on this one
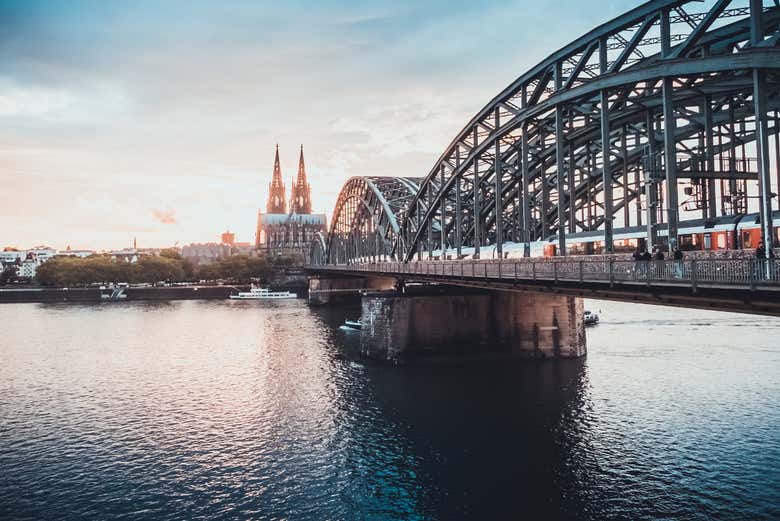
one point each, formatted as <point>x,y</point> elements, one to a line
<point>498,323</point>
<point>670,163</point>
<point>333,290</point>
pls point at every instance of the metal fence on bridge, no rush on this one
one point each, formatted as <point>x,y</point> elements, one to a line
<point>731,272</point>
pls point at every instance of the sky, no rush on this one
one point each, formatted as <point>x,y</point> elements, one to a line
<point>157,120</point>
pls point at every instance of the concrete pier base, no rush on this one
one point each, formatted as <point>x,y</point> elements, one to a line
<point>529,325</point>
<point>332,290</point>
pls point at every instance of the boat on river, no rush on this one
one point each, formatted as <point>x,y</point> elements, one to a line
<point>262,294</point>
<point>590,318</point>
<point>351,325</point>
<point>113,292</point>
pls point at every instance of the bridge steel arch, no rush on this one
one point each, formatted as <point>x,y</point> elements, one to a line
<point>366,220</point>
<point>606,131</point>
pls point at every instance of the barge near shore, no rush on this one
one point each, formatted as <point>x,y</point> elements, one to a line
<point>44,294</point>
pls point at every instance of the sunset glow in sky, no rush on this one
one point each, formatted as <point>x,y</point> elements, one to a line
<point>158,119</point>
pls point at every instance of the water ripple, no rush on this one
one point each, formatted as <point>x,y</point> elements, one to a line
<point>217,410</point>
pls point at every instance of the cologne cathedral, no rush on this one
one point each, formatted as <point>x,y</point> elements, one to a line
<point>280,231</point>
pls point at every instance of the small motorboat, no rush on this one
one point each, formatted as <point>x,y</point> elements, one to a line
<point>590,318</point>
<point>351,325</point>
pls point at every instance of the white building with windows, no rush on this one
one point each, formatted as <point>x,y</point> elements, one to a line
<point>42,253</point>
<point>9,256</point>
<point>27,268</point>
<point>75,253</point>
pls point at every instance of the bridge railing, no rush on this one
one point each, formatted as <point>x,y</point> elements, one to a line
<point>741,272</point>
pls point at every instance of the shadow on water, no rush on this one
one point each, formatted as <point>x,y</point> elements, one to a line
<point>476,438</point>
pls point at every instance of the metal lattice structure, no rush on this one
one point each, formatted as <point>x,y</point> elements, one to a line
<point>674,99</point>
<point>367,217</point>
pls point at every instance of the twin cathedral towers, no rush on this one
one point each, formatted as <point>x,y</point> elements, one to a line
<point>280,231</point>
<point>300,191</point>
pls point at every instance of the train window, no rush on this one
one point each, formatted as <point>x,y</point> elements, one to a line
<point>721,241</point>
<point>686,242</point>
<point>707,241</point>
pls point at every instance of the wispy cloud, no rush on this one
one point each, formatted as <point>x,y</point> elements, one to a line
<point>164,216</point>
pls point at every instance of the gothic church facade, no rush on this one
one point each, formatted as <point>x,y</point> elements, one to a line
<point>280,231</point>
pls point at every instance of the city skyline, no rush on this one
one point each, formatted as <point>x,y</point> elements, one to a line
<point>159,121</point>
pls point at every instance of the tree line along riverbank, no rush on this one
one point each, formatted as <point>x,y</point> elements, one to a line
<point>169,266</point>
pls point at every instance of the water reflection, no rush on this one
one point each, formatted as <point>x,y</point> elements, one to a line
<point>209,410</point>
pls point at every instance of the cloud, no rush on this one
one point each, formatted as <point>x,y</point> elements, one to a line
<point>164,216</point>
<point>101,101</point>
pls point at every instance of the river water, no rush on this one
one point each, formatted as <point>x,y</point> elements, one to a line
<point>231,410</point>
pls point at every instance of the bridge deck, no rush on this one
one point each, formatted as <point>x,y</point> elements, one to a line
<point>742,285</point>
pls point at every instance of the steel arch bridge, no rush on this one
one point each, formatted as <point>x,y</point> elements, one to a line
<point>367,219</point>
<point>673,98</point>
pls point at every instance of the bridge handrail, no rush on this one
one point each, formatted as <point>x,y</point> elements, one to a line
<point>741,272</point>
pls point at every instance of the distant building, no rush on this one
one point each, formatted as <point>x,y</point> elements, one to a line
<point>11,259</point>
<point>280,232</point>
<point>243,248</point>
<point>11,255</point>
<point>42,253</point>
<point>205,253</point>
<point>28,267</point>
<point>68,252</point>
<point>228,238</point>
<point>26,262</point>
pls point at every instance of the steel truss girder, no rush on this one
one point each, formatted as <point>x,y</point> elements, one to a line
<point>368,206</point>
<point>538,154</point>
<point>692,59</point>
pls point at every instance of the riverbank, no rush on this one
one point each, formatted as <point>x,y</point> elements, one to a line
<point>44,294</point>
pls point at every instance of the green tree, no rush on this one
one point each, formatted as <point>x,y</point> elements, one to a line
<point>8,274</point>
<point>259,268</point>
<point>170,253</point>
<point>208,272</point>
<point>189,269</point>
<point>235,268</point>
<point>154,269</point>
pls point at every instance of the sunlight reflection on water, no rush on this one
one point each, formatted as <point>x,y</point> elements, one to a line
<point>209,410</point>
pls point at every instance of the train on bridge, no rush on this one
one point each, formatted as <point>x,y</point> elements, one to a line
<point>740,232</point>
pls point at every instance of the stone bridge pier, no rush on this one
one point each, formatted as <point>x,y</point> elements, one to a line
<point>401,322</point>
<point>489,323</point>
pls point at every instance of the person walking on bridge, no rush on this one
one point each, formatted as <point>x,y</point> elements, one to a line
<point>658,257</point>
<point>645,262</point>
<point>678,262</point>
<point>764,260</point>
<point>637,256</point>
<point>761,252</point>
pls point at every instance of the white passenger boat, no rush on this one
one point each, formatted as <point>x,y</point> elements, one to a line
<point>262,294</point>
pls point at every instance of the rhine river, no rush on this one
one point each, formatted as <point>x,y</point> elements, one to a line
<point>252,410</point>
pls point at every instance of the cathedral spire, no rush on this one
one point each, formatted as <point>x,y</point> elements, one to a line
<point>301,191</point>
<point>276,196</point>
<point>301,170</point>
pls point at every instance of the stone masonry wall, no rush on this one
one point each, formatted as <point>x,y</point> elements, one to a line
<point>521,324</point>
